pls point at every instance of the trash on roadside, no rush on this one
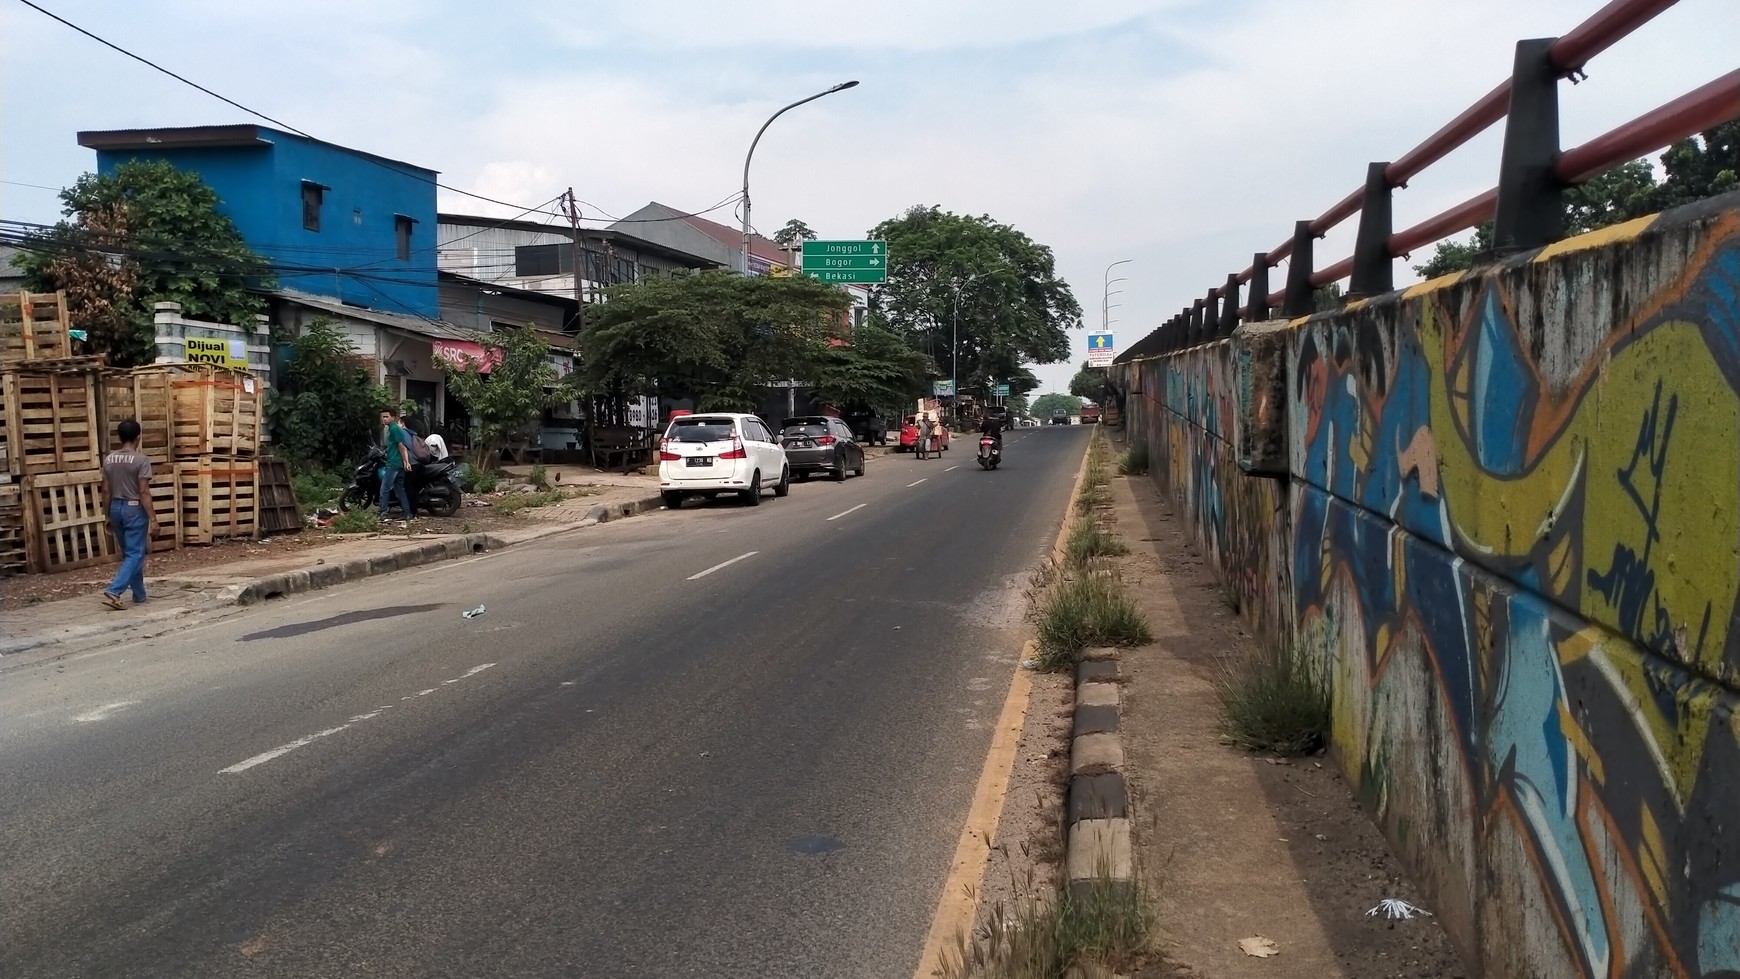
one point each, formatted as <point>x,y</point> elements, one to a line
<point>1030,664</point>
<point>1396,910</point>
<point>1259,947</point>
<point>474,613</point>
<point>474,501</point>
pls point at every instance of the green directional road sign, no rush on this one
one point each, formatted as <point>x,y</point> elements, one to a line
<point>1001,390</point>
<point>846,261</point>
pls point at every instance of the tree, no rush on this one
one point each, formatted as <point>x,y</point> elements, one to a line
<point>1012,307</point>
<point>712,336</point>
<point>145,234</point>
<point>520,384</point>
<point>1701,167</point>
<point>1089,382</point>
<point>324,409</point>
<point>795,231</point>
<point>1045,404</point>
<point>876,370</point>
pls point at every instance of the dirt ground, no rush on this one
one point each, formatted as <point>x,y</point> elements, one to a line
<point>1234,846</point>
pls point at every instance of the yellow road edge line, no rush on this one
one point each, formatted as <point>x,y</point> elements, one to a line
<point>958,906</point>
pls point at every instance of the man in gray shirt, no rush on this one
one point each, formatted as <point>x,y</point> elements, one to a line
<point>127,486</point>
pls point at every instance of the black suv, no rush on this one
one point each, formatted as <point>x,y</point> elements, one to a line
<point>820,443</point>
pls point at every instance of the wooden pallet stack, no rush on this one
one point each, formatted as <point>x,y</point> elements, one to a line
<point>51,441</point>
<point>200,426</point>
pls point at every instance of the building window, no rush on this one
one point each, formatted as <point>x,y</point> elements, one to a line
<point>312,196</point>
<point>402,233</point>
<point>531,261</point>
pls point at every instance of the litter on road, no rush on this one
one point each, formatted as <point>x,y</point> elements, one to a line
<point>474,613</point>
<point>1396,910</point>
<point>1259,947</point>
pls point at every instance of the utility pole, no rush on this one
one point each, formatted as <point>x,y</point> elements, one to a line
<point>572,207</point>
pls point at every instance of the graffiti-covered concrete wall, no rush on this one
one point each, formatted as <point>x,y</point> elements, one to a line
<point>1512,540</point>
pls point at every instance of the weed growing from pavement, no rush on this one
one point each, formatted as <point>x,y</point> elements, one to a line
<point>1270,703</point>
<point>1045,934</point>
<point>314,487</point>
<point>1090,610</point>
<point>540,477</point>
<point>1135,460</point>
<point>515,502</point>
<point>475,480</point>
<point>1089,540</point>
<point>356,522</point>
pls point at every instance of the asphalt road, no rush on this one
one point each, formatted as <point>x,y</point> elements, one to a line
<point>724,741</point>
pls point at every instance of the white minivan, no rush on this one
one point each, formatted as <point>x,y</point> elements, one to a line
<point>706,455</point>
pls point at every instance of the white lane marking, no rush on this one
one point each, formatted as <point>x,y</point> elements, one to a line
<point>915,482</point>
<point>853,510</point>
<point>722,564</point>
<point>284,749</point>
<point>278,752</point>
<point>103,712</point>
<point>567,683</point>
<point>951,469</point>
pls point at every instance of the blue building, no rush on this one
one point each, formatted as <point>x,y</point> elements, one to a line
<point>334,222</point>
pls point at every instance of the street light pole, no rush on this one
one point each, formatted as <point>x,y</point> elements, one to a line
<point>1106,295</point>
<point>744,259</point>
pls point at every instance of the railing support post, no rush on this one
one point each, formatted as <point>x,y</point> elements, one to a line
<point>1210,316</point>
<point>1229,306</point>
<point>1531,205</point>
<point>1373,268</point>
<point>1194,316</point>
<point>1259,288</point>
<point>1297,301</point>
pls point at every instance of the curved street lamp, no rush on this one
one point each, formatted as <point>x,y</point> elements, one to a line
<point>837,88</point>
<point>1104,309</point>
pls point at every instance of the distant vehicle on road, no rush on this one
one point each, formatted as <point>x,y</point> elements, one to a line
<point>1060,416</point>
<point>707,455</point>
<point>868,427</point>
<point>818,443</point>
<point>1090,414</point>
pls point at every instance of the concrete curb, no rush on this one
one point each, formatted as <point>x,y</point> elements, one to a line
<point>326,575</point>
<point>1097,845</point>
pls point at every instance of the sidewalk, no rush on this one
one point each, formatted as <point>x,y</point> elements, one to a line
<point>316,559</point>
<point>1232,845</point>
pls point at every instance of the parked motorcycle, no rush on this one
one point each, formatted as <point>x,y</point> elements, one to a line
<point>432,486</point>
<point>990,452</point>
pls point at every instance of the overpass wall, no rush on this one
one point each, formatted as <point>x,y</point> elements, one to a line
<point>1499,514</point>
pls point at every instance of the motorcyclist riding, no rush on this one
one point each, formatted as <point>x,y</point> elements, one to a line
<point>992,425</point>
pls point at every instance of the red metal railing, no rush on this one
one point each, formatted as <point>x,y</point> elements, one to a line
<point>1697,111</point>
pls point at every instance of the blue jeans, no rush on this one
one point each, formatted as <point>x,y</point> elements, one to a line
<point>393,477</point>
<point>132,527</point>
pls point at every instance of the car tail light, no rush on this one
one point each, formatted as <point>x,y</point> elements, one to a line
<point>736,451</point>
<point>824,440</point>
<point>665,455</point>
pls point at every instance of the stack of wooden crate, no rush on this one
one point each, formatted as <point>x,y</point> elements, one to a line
<point>51,515</point>
<point>200,427</point>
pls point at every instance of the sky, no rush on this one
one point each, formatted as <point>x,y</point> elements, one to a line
<point>1182,135</point>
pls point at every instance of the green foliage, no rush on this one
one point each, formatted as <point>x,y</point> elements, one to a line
<point>326,408</point>
<point>1046,403</point>
<point>475,481</point>
<point>362,521</point>
<point>1088,382</point>
<point>1269,703</point>
<point>145,234</point>
<point>1012,307</point>
<point>1092,610</point>
<point>713,336</point>
<point>540,476</point>
<point>876,370</point>
<point>314,486</point>
<point>1054,936</point>
<point>795,231</point>
<point>1090,539</point>
<point>1704,166</point>
<point>520,385</point>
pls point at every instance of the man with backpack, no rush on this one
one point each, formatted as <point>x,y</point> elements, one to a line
<point>396,469</point>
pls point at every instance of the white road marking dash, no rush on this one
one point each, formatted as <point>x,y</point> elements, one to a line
<point>951,469</point>
<point>853,510</point>
<point>722,564</point>
<point>103,712</point>
<point>916,482</point>
<point>266,756</point>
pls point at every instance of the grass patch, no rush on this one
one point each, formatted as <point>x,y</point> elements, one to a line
<point>1092,495</point>
<point>1088,611</point>
<point>514,503</point>
<point>315,487</point>
<point>1046,938</point>
<point>356,522</point>
<point>1135,460</point>
<point>540,477</point>
<point>1090,540</point>
<point>1268,703</point>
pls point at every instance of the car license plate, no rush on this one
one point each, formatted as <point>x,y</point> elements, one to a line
<point>700,460</point>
